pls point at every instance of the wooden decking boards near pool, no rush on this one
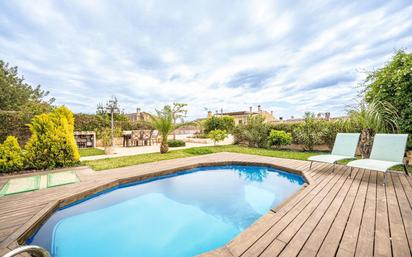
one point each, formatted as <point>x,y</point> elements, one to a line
<point>334,215</point>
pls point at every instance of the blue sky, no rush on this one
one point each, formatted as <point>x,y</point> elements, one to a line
<point>288,56</point>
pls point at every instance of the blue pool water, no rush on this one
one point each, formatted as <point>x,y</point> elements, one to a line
<point>176,216</point>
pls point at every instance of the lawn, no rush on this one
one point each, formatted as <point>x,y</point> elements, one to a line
<point>111,163</point>
<point>90,151</point>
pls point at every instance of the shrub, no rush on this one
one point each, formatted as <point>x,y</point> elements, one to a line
<point>309,133</point>
<point>219,122</point>
<point>105,134</point>
<point>278,138</point>
<point>393,84</point>
<point>175,143</point>
<point>289,128</point>
<point>52,141</point>
<point>11,156</point>
<point>331,128</point>
<point>254,132</point>
<point>217,135</point>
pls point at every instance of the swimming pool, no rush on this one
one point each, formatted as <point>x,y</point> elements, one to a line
<point>184,214</point>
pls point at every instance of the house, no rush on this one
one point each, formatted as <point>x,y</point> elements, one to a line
<point>320,116</point>
<point>138,115</point>
<point>241,117</point>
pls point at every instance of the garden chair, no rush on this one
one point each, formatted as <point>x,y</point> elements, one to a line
<point>388,150</point>
<point>344,148</point>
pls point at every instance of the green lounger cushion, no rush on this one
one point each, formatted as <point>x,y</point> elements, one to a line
<point>328,158</point>
<point>387,151</point>
<point>344,148</point>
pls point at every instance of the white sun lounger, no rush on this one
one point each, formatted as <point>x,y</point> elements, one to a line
<point>343,148</point>
<point>388,150</point>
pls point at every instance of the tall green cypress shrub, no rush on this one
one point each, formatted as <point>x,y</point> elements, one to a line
<point>52,141</point>
<point>11,156</point>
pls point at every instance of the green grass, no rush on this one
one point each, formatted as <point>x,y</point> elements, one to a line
<point>90,152</point>
<point>111,163</point>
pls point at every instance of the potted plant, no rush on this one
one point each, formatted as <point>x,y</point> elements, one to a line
<point>106,137</point>
<point>371,118</point>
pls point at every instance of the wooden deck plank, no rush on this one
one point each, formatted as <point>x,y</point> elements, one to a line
<point>297,234</point>
<point>313,243</point>
<point>245,240</point>
<point>407,188</point>
<point>310,201</point>
<point>331,243</point>
<point>364,247</point>
<point>382,246</point>
<point>399,240</point>
<point>350,235</point>
<point>405,208</point>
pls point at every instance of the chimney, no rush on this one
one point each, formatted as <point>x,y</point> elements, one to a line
<point>209,114</point>
<point>319,115</point>
<point>271,113</point>
<point>221,110</point>
<point>327,115</point>
<point>138,114</point>
<point>259,110</point>
<point>217,111</point>
<point>250,109</point>
<point>292,117</point>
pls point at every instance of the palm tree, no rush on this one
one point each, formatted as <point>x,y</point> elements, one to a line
<point>371,118</point>
<point>163,121</point>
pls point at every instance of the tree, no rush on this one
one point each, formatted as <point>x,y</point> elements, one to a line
<point>393,84</point>
<point>371,118</point>
<point>217,135</point>
<point>219,122</point>
<point>178,112</point>
<point>19,103</point>
<point>163,122</point>
<point>109,113</point>
<point>254,132</point>
<point>309,132</point>
<point>15,94</point>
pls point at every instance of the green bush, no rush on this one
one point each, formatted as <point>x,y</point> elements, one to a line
<point>176,143</point>
<point>52,141</point>
<point>217,135</point>
<point>11,156</point>
<point>289,128</point>
<point>309,133</point>
<point>278,138</point>
<point>105,134</point>
<point>218,122</point>
<point>254,133</point>
<point>393,84</point>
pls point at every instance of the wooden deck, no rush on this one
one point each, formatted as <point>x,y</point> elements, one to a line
<point>334,215</point>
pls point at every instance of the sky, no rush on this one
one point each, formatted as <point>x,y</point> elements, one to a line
<point>287,56</point>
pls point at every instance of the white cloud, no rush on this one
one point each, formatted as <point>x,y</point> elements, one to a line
<point>289,57</point>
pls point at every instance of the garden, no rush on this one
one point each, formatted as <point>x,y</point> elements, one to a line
<point>36,135</point>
